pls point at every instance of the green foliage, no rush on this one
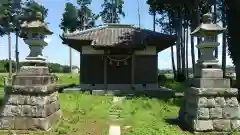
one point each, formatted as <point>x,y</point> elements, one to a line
<point>232,14</point>
<point>177,86</point>
<point>80,18</point>
<point>162,79</point>
<point>53,67</point>
<point>69,20</point>
<point>112,9</point>
<point>86,18</point>
<point>31,8</point>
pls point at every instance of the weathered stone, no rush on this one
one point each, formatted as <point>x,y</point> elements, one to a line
<point>215,112</point>
<point>232,102</point>
<point>211,73</point>
<point>220,102</point>
<point>203,113</point>
<point>231,112</point>
<point>211,83</point>
<point>203,125</point>
<point>213,91</point>
<point>14,99</point>
<point>235,124</point>
<point>32,80</point>
<point>34,70</point>
<point>210,102</point>
<point>29,123</point>
<point>11,110</point>
<point>30,111</point>
<point>98,92</point>
<point>6,123</point>
<point>202,102</point>
<point>221,125</point>
<point>30,89</point>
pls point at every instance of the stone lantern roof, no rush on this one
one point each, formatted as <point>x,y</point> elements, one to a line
<point>207,28</point>
<point>37,25</point>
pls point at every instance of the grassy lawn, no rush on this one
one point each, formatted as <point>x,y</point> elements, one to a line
<point>144,116</point>
<point>85,114</point>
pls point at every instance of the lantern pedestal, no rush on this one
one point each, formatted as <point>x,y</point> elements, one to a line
<point>31,102</point>
<point>210,104</point>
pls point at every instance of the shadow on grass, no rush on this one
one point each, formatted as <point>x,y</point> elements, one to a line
<point>182,125</point>
<point>158,94</point>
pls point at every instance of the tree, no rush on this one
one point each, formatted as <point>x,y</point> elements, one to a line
<point>69,18</point>
<point>75,18</point>
<point>112,10</point>
<point>7,27</point>
<point>69,23</point>
<point>86,18</point>
<point>232,17</point>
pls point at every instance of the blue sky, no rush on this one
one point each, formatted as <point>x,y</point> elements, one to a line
<point>58,52</point>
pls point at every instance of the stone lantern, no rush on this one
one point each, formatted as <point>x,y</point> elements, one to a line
<point>31,102</point>
<point>210,104</point>
<point>207,61</point>
<point>36,32</point>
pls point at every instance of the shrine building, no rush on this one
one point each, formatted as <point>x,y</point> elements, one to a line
<point>118,56</point>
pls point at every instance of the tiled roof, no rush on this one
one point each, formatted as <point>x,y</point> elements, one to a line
<point>116,34</point>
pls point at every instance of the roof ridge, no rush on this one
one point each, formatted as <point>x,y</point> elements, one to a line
<point>84,31</point>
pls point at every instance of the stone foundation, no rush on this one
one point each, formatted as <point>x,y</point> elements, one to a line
<point>32,102</point>
<point>209,109</point>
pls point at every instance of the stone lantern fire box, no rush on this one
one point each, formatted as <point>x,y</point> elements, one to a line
<point>31,102</point>
<point>210,104</point>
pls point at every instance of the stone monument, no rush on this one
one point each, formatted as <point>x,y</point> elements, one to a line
<point>210,104</point>
<point>31,102</point>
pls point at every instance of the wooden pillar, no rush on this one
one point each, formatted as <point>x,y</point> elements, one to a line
<point>105,71</point>
<point>133,70</point>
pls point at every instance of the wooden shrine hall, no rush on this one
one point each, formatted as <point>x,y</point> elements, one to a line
<point>118,56</point>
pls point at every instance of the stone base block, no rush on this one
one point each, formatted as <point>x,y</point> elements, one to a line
<point>193,91</point>
<point>34,70</point>
<point>218,125</point>
<point>98,92</point>
<point>211,73</point>
<point>211,109</point>
<point>27,123</point>
<point>30,89</point>
<point>32,80</point>
<point>210,82</point>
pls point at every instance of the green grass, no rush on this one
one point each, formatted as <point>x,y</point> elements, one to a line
<point>83,115</point>
<point>149,117</point>
<point>65,79</point>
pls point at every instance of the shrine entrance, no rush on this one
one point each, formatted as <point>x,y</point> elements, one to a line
<point>119,69</point>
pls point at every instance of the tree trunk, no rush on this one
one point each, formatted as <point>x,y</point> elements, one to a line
<point>232,15</point>
<point>172,52</point>
<point>173,62</point>
<point>224,41</point>
<point>9,55</point>
<point>178,49</point>
<point>187,74</point>
<point>17,53</point>
<point>195,20</point>
<point>183,48</point>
